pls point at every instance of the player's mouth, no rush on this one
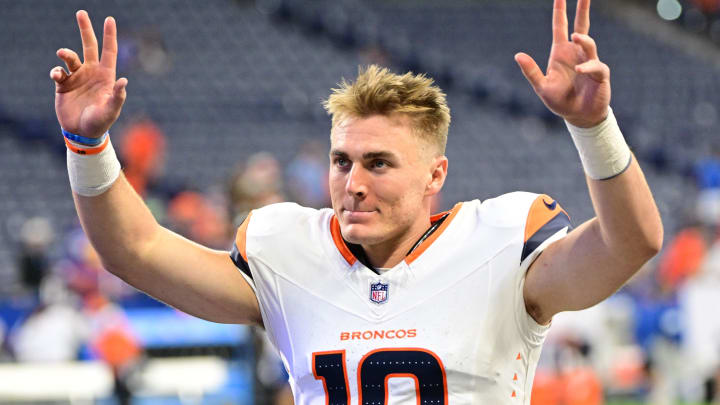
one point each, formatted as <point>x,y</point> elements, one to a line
<point>354,216</point>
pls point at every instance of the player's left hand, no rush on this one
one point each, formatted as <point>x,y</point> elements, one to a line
<point>577,84</point>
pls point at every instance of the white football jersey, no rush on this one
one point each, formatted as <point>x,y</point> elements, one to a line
<point>447,325</point>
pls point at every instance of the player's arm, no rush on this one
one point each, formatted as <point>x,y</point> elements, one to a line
<point>597,258</point>
<point>132,245</point>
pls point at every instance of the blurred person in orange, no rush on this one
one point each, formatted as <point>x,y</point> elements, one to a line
<point>194,216</point>
<point>683,257</point>
<point>707,6</point>
<point>143,153</point>
<point>112,340</point>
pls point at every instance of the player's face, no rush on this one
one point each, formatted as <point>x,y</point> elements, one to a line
<point>382,176</point>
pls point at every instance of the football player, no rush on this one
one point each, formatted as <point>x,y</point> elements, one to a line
<point>377,300</point>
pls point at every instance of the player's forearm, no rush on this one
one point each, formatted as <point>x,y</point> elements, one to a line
<point>118,224</point>
<point>628,219</point>
<point>133,246</point>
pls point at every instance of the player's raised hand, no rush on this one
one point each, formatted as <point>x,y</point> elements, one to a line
<point>88,98</point>
<point>577,84</point>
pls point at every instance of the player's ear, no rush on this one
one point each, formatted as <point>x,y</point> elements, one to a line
<point>438,174</point>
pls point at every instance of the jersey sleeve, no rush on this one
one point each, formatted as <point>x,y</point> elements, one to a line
<point>238,253</point>
<point>268,248</point>
<point>546,222</point>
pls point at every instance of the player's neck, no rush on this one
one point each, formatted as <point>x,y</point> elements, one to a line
<point>391,252</point>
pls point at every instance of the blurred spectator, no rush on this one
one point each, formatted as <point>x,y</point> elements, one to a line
<point>571,382</point>
<point>547,388</point>
<point>583,387</point>
<point>127,53</point>
<point>36,236</point>
<point>142,152</point>
<point>82,269</point>
<point>683,256</point>
<point>707,171</point>
<point>144,49</point>
<point>699,298</point>
<point>597,337</point>
<point>152,53</point>
<point>255,185</point>
<point>707,178</point>
<point>707,207</point>
<point>194,216</point>
<point>659,332</point>
<point>307,176</point>
<point>112,340</point>
<point>55,331</point>
<point>707,6</point>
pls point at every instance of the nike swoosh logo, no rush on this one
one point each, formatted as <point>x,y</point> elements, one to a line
<point>552,206</point>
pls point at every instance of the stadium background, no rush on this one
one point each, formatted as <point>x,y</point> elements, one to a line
<point>223,115</point>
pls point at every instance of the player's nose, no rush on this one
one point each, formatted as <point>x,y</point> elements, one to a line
<point>356,182</point>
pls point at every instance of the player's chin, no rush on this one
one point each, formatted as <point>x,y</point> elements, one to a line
<point>359,234</point>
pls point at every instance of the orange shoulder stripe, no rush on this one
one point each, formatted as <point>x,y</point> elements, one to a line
<point>542,210</point>
<point>241,237</point>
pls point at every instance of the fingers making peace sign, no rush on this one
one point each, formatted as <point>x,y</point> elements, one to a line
<point>576,85</point>
<point>88,98</point>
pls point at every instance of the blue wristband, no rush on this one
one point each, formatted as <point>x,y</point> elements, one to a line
<point>82,139</point>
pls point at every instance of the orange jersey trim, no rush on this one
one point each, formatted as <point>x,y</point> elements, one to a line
<point>351,259</point>
<point>339,242</point>
<point>542,210</point>
<point>427,242</point>
<point>241,237</point>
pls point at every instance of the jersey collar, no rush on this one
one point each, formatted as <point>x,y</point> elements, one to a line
<point>418,250</point>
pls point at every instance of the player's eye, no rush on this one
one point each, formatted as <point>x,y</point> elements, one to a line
<point>341,162</point>
<point>379,164</point>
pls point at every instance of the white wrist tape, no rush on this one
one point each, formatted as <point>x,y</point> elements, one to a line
<point>602,148</point>
<point>92,175</point>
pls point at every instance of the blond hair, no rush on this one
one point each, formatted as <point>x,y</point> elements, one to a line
<point>379,91</point>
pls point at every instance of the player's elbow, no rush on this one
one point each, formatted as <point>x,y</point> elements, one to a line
<point>654,237</point>
<point>656,242</point>
<point>649,243</point>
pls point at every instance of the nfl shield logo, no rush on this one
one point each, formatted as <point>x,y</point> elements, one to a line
<point>378,292</point>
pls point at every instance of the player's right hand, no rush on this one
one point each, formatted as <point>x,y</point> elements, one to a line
<point>88,98</point>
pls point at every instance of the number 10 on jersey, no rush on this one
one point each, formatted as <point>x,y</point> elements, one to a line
<point>374,371</point>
